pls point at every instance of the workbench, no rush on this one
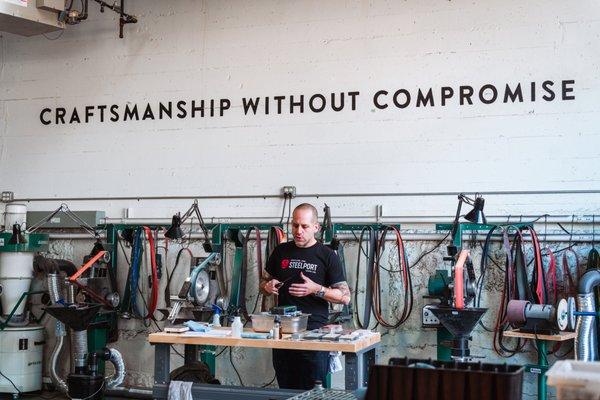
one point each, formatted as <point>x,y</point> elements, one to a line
<point>359,355</point>
<point>541,345</point>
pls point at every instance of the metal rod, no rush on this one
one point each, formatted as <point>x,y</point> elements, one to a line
<point>313,195</point>
<point>396,219</point>
<point>425,237</point>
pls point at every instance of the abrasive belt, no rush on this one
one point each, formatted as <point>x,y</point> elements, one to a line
<point>369,277</point>
<point>244,276</point>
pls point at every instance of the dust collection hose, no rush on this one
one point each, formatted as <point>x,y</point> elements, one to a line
<point>586,342</point>
<point>116,359</point>
<point>55,296</point>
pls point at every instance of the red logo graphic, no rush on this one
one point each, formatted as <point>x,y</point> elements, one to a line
<point>285,264</point>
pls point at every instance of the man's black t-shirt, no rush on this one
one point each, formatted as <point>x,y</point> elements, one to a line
<point>318,263</point>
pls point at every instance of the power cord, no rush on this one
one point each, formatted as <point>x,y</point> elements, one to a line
<point>11,382</point>
<point>234,368</point>
<point>20,393</point>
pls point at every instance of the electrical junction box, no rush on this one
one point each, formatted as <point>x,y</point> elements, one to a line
<point>62,220</point>
<point>23,17</point>
<point>428,320</point>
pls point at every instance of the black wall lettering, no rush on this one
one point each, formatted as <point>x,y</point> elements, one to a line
<point>113,112</point>
<point>547,86</point>
<point>42,120</point>
<point>513,95</point>
<point>466,92</point>
<point>447,93</point>
<point>224,104</point>
<point>566,90</point>
<point>376,102</point>
<point>182,111</point>
<point>279,99</point>
<point>333,106</point>
<point>60,115</point>
<point>131,112</point>
<point>423,100</point>
<point>299,103</point>
<point>482,94</point>
<point>352,96</point>
<point>248,104</point>
<point>101,109</point>
<point>89,113</point>
<point>74,117</point>
<point>196,108</point>
<point>148,113</point>
<point>406,95</point>
<point>514,92</point>
<point>168,110</point>
<point>311,103</point>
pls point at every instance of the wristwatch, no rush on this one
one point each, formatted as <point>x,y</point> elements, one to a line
<point>321,292</point>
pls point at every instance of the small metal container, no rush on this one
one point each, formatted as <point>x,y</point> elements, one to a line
<point>264,322</point>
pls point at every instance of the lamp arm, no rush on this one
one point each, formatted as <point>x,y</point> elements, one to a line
<point>201,221</point>
<point>461,198</point>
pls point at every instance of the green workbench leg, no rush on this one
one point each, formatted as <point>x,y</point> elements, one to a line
<point>207,355</point>
<point>327,383</point>
<point>543,363</point>
<point>444,353</point>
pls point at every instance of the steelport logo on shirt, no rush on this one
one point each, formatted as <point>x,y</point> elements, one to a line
<point>298,264</point>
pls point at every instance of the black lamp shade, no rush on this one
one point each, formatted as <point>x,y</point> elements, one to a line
<point>476,214</point>
<point>174,232</point>
<point>207,246</point>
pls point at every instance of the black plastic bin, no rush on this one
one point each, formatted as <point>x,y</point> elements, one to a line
<point>416,379</point>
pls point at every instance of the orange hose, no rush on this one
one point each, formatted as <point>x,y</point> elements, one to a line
<point>459,294</point>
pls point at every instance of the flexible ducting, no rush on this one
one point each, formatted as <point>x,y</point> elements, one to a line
<point>586,342</point>
<point>16,321</point>
<point>79,348</point>
<point>116,359</point>
<point>53,265</point>
<point>55,295</point>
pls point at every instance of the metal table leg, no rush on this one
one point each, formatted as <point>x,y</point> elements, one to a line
<point>162,366</point>
<point>190,353</point>
<point>356,369</point>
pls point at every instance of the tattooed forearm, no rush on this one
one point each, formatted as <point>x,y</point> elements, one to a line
<point>339,293</point>
<point>266,277</point>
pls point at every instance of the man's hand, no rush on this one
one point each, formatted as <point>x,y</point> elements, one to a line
<point>304,289</point>
<point>272,286</point>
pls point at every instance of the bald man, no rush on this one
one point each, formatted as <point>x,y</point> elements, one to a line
<point>309,275</point>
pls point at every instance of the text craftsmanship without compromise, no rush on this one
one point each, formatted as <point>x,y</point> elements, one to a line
<point>398,99</point>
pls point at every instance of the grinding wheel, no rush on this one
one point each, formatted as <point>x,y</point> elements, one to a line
<point>562,315</point>
<point>515,312</point>
<point>201,288</point>
<point>572,318</point>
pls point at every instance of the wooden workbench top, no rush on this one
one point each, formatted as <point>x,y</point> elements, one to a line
<point>285,343</point>
<point>561,337</point>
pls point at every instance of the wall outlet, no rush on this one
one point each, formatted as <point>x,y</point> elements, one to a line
<point>428,320</point>
<point>7,197</point>
<point>288,191</point>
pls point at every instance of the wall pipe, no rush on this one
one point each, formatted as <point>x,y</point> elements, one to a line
<point>396,219</point>
<point>586,341</point>
<point>310,195</point>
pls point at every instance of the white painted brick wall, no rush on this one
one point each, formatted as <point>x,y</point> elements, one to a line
<point>211,49</point>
